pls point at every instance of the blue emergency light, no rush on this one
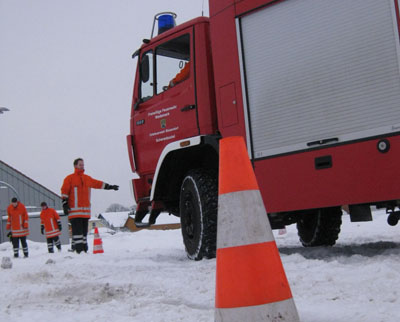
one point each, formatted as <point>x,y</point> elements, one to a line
<point>166,21</point>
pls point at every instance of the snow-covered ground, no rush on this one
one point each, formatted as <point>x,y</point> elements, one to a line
<point>145,276</point>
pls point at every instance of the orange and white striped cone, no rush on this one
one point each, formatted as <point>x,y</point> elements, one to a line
<point>97,243</point>
<point>251,284</point>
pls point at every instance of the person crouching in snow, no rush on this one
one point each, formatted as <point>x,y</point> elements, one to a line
<point>17,222</point>
<point>51,226</point>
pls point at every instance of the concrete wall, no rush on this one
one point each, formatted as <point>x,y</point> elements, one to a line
<point>34,228</point>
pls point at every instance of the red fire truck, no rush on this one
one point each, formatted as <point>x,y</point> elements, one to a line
<point>312,86</point>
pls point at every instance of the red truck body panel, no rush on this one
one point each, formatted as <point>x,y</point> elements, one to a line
<point>359,174</point>
<point>289,182</point>
<point>231,118</point>
<point>356,171</point>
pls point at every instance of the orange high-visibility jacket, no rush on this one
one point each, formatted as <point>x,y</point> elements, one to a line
<point>182,75</point>
<point>17,220</point>
<point>76,187</point>
<point>49,218</point>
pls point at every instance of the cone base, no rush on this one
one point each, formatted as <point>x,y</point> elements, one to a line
<point>98,247</point>
<point>272,312</point>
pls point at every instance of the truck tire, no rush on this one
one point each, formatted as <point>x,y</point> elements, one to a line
<point>198,212</point>
<point>320,228</point>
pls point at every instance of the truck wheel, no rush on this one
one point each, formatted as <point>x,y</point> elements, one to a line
<point>198,211</point>
<point>320,228</point>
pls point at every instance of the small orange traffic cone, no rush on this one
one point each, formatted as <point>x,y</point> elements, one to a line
<point>97,242</point>
<point>251,284</point>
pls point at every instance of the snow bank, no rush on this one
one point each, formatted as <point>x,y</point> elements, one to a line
<point>145,276</point>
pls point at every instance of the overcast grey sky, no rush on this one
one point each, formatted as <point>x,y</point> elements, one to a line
<point>66,74</point>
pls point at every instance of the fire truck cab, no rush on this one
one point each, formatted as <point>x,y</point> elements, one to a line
<point>173,123</point>
<point>314,88</point>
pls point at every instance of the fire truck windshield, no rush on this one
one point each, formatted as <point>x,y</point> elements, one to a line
<point>171,59</point>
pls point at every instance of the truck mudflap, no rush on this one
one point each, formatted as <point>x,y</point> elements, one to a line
<point>143,209</point>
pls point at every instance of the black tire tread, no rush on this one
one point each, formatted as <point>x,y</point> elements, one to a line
<point>327,228</point>
<point>207,185</point>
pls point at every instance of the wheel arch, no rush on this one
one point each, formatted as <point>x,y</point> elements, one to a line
<point>176,160</point>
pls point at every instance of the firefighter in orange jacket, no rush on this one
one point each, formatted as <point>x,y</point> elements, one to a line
<point>181,76</point>
<point>17,222</point>
<point>50,225</point>
<point>75,193</point>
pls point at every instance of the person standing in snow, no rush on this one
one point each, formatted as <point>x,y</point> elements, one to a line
<point>50,225</point>
<point>75,193</point>
<point>17,222</point>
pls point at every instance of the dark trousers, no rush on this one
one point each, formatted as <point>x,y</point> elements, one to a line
<point>15,242</point>
<point>79,228</point>
<point>51,241</point>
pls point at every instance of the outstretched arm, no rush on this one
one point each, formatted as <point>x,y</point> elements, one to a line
<point>97,184</point>
<point>110,187</point>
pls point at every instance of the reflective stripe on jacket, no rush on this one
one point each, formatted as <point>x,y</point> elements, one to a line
<point>49,218</point>
<point>76,187</point>
<point>17,220</point>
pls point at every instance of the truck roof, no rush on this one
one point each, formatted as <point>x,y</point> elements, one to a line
<point>177,28</point>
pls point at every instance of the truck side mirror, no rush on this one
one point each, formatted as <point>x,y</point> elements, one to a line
<point>144,69</point>
<point>135,107</point>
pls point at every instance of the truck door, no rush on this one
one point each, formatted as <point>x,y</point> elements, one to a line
<point>166,111</point>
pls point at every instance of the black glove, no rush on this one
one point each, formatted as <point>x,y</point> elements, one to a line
<point>110,187</point>
<point>59,225</point>
<point>9,234</point>
<point>42,229</point>
<point>65,206</point>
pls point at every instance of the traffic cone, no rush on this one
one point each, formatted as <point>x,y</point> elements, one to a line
<point>251,284</point>
<point>97,243</point>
